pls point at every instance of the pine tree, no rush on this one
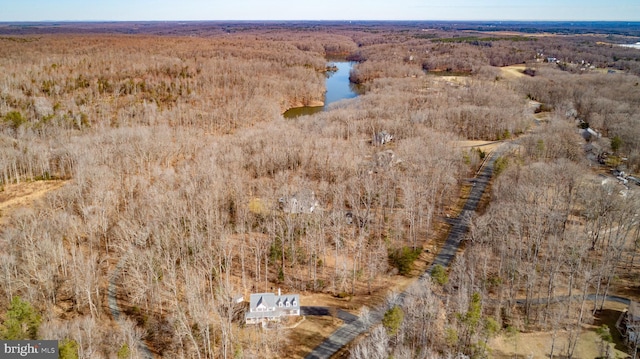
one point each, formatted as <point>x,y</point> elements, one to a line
<point>22,321</point>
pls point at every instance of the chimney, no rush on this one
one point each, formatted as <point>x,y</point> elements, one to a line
<point>279,292</point>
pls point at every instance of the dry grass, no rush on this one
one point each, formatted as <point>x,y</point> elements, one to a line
<point>309,334</point>
<point>452,80</point>
<point>538,344</point>
<point>486,146</point>
<point>513,71</point>
<point>313,330</point>
<point>542,116</point>
<point>24,194</point>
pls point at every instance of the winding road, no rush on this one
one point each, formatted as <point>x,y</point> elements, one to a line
<point>354,325</point>
<point>460,225</point>
<point>114,308</point>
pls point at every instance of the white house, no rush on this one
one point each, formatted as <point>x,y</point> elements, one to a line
<point>629,324</point>
<point>632,322</point>
<point>381,138</point>
<point>302,202</point>
<point>271,307</point>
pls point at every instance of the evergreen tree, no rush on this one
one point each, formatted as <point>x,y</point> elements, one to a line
<point>22,321</point>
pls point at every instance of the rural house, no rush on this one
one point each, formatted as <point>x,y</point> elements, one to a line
<point>301,202</point>
<point>271,307</point>
<point>381,138</point>
<point>629,324</point>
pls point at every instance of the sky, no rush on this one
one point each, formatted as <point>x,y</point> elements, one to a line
<point>149,10</point>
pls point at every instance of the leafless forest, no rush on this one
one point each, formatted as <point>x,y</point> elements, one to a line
<point>174,155</point>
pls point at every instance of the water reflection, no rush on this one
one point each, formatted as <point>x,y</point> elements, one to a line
<point>338,88</point>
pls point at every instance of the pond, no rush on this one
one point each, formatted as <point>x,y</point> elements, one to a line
<point>338,88</point>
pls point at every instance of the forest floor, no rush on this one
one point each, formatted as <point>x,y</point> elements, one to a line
<point>24,194</point>
<point>538,344</point>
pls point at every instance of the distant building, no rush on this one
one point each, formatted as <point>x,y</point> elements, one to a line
<point>635,180</point>
<point>351,218</point>
<point>271,307</point>
<point>589,134</point>
<point>381,138</point>
<point>381,161</point>
<point>301,202</point>
<point>386,159</point>
<point>629,325</point>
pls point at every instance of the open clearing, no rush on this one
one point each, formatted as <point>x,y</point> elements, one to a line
<point>486,146</point>
<point>513,71</point>
<point>309,334</point>
<point>24,194</point>
<point>538,344</point>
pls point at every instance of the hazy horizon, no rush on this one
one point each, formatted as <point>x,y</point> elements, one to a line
<point>253,21</point>
<point>329,10</point>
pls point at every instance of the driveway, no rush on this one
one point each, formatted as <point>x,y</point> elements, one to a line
<point>460,225</point>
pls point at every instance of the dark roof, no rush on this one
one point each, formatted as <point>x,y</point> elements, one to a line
<point>634,311</point>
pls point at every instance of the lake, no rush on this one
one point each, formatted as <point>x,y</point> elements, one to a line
<point>338,88</point>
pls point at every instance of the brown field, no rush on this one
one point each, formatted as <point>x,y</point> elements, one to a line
<point>538,344</point>
<point>513,72</point>
<point>486,146</point>
<point>15,196</point>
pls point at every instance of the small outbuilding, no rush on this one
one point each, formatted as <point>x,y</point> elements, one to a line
<point>629,324</point>
<point>589,134</point>
<point>381,138</point>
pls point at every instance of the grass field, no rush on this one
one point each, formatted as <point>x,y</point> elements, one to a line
<point>538,344</point>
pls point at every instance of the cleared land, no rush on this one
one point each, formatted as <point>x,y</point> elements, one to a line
<point>538,344</point>
<point>513,71</point>
<point>14,196</point>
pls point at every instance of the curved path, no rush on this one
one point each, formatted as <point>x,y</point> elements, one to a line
<point>326,311</point>
<point>114,308</point>
<point>350,330</point>
<point>590,298</point>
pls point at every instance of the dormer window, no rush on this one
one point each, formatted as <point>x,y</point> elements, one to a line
<point>260,307</point>
<point>271,306</point>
